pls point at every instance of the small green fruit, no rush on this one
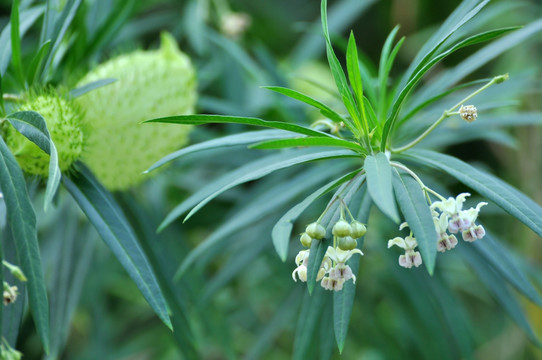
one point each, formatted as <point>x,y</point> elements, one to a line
<point>358,229</point>
<point>65,124</point>
<point>316,231</point>
<point>341,228</point>
<point>347,243</point>
<point>150,84</point>
<point>305,240</point>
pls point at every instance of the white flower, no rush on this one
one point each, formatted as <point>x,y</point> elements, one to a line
<point>341,256</point>
<point>451,206</point>
<point>411,257</point>
<point>445,241</point>
<point>302,260</point>
<point>342,271</point>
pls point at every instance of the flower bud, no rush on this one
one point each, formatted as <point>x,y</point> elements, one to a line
<point>341,228</point>
<point>305,240</point>
<point>316,231</point>
<point>347,243</point>
<point>468,113</point>
<point>358,229</point>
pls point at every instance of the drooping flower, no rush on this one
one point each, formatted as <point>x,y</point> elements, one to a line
<point>445,241</point>
<point>302,261</point>
<point>411,257</point>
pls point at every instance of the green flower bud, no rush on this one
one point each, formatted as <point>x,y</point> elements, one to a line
<point>316,231</point>
<point>65,124</point>
<point>150,84</point>
<point>347,243</point>
<point>341,228</point>
<point>358,229</point>
<point>305,240</point>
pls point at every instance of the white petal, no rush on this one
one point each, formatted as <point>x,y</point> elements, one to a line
<point>403,225</point>
<point>410,242</point>
<point>400,242</point>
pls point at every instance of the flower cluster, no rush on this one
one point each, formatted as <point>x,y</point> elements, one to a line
<point>333,271</point>
<point>448,216</point>
<point>469,113</point>
<point>457,219</point>
<point>9,293</point>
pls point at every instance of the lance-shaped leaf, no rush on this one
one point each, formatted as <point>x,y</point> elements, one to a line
<point>379,177</point>
<point>415,209</point>
<point>33,126</point>
<point>107,217</point>
<point>212,119</point>
<point>343,301</point>
<point>22,221</point>
<point>251,171</point>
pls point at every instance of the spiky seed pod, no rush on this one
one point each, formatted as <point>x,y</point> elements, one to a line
<point>65,124</point>
<point>150,84</point>
<point>341,228</point>
<point>358,229</point>
<point>347,243</point>
<point>305,240</point>
<point>316,231</point>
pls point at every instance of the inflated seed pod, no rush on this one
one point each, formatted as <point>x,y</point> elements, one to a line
<point>316,231</point>
<point>305,240</point>
<point>358,229</point>
<point>341,228</point>
<point>150,84</point>
<point>347,243</point>
<point>65,124</point>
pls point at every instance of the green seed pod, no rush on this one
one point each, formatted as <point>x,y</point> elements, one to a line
<point>150,84</point>
<point>341,228</point>
<point>358,229</point>
<point>305,240</point>
<point>347,243</point>
<point>316,231</point>
<point>65,124</point>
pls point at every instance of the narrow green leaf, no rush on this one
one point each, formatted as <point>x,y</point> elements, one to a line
<point>478,60</point>
<point>61,25</point>
<point>107,217</point>
<point>324,109</point>
<point>486,36</point>
<point>16,42</point>
<point>308,142</point>
<point>34,127</point>
<point>251,171</point>
<point>343,301</point>
<point>22,221</point>
<point>502,261</point>
<point>383,72</point>
<point>283,228</point>
<point>91,86</point>
<point>509,199</point>
<point>417,214</point>
<point>499,290</point>
<point>262,204</point>
<point>35,66</point>
<point>243,138</point>
<point>309,314</point>
<point>211,119</point>
<point>2,106</point>
<point>338,74</point>
<point>28,18</point>
<point>316,255</point>
<point>379,181</point>
<point>354,75</point>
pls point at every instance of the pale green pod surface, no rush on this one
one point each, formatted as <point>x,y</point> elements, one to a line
<point>64,122</point>
<point>150,84</point>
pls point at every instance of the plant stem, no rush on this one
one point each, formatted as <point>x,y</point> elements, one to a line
<point>447,113</point>
<point>418,180</point>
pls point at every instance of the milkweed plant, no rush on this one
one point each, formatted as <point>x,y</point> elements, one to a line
<point>380,150</point>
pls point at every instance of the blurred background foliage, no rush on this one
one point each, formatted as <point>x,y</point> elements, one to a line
<point>237,300</point>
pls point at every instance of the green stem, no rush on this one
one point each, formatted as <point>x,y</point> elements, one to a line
<point>447,113</point>
<point>418,180</point>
